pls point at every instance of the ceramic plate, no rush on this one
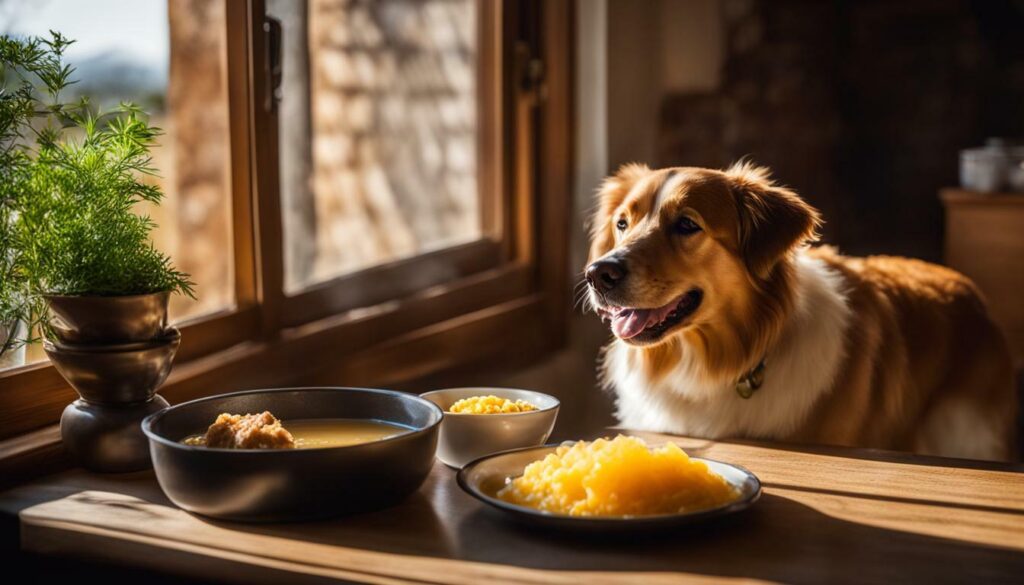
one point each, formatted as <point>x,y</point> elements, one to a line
<point>484,477</point>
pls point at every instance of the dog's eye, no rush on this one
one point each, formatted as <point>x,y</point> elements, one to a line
<point>686,226</point>
<point>621,224</point>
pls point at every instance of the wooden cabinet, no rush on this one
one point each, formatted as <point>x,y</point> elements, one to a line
<point>985,241</point>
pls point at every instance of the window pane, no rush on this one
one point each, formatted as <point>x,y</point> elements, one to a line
<point>168,57</point>
<point>378,132</point>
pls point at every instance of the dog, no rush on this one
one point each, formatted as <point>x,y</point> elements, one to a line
<point>728,324</point>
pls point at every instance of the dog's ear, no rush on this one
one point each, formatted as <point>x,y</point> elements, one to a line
<point>610,195</point>
<point>772,220</point>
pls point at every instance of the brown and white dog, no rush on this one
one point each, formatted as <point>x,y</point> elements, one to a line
<point>713,294</point>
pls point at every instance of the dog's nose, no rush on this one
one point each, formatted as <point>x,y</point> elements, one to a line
<point>604,275</point>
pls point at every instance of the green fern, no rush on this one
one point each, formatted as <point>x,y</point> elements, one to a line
<point>70,180</point>
<point>79,227</point>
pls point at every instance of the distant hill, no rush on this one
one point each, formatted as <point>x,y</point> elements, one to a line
<point>111,77</point>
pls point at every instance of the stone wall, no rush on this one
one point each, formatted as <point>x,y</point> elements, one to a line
<point>378,138</point>
<point>393,102</point>
<point>860,106</point>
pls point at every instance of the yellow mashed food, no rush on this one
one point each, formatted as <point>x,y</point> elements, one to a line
<point>618,477</point>
<point>490,405</point>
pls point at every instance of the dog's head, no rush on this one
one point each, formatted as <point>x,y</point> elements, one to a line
<point>674,249</point>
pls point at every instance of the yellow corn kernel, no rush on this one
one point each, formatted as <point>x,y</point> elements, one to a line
<point>490,405</point>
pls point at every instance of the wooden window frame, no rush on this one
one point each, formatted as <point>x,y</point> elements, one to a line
<point>407,277</point>
<point>507,294</point>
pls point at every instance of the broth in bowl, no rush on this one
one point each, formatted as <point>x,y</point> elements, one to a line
<point>265,431</point>
<point>341,432</point>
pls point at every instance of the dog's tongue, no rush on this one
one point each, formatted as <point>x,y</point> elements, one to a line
<point>630,322</point>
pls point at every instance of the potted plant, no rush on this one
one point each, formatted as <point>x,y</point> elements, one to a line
<point>92,277</point>
<point>87,253</point>
<point>72,240</point>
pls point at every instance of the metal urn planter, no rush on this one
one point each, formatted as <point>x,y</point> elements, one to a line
<point>115,352</point>
<point>96,320</point>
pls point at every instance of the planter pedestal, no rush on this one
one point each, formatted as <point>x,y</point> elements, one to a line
<point>117,387</point>
<point>107,437</point>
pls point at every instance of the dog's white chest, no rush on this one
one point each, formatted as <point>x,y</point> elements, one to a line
<point>799,370</point>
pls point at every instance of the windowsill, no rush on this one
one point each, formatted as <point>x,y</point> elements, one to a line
<point>389,361</point>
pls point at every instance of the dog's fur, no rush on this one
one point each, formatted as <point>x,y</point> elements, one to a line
<point>878,352</point>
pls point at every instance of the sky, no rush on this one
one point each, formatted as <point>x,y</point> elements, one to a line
<point>134,27</point>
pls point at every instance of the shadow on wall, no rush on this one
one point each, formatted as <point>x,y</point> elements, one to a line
<point>859,106</point>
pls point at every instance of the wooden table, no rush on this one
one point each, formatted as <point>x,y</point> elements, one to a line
<point>826,516</point>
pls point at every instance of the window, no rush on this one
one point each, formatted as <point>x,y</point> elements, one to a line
<point>360,188</point>
<point>385,148</point>
<point>378,141</point>
<point>169,58</point>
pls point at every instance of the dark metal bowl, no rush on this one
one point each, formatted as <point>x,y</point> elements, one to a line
<point>294,484</point>
<point>108,319</point>
<point>119,373</point>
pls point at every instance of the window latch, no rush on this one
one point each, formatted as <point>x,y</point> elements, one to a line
<point>530,73</point>
<point>275,63</point>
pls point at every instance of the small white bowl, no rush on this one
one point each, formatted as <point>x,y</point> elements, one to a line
<point>466,437</point>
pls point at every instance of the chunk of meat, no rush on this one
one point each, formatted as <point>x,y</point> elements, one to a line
<point>250,431</point>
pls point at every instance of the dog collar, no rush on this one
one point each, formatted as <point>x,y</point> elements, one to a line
<point>751,381</point>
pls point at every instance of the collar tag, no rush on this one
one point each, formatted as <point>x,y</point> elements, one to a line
<point>751,381</point>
